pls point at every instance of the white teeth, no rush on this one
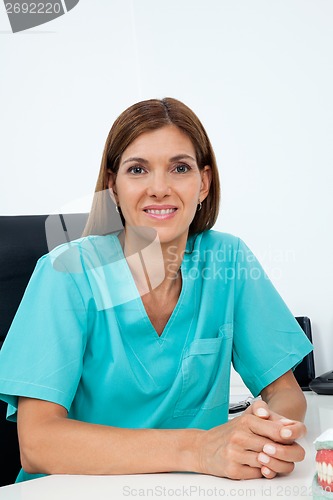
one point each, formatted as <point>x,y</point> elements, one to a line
<point>329,474</point>
<point>161,212</point>
<point>325,472</point>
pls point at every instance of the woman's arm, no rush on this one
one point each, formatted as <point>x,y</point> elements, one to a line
<point>285,397</point>
<point>51,443</point>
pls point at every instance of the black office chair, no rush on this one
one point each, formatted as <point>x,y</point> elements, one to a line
<point>305,371</point>
<point>23,239</point>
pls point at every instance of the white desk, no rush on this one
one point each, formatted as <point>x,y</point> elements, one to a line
<point>185,485</point>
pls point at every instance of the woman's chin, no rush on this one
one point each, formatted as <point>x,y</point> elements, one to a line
<point>167,235</point>
<point>152,233</point>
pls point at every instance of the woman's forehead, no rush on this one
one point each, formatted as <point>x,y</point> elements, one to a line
<point>166,141</point>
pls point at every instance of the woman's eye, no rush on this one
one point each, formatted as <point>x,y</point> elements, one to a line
<point>182,169</point>
<point>136,170</point>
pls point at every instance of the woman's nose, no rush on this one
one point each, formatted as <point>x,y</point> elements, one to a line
<point>159,185</point>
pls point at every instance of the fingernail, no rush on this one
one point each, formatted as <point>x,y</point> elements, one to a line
<point>268,448</point>
<point>266,471</point>
<point>286,421</point>
<point>285,433</point>
<point>261,412</point>
<point>263,458</point>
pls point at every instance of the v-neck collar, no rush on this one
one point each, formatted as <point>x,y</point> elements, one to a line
<point>128,306</point>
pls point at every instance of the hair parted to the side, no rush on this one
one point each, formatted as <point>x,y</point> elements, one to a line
<point>143,117</point>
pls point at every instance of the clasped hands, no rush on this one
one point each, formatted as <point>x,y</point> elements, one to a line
<point>258,443</point>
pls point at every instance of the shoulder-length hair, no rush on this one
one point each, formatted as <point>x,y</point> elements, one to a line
<point>143,117</point>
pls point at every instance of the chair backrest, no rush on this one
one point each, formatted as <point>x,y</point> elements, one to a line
<point>23,240</point>
<point>305,371</point>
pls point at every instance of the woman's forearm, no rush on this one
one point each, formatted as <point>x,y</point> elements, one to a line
<point>51,443</point>
<point>64,446</point>
<point>288,402</point>
<point>285,397</point>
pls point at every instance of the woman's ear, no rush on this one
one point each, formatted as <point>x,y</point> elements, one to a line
<point>206,179</point>
<point>112,187</point>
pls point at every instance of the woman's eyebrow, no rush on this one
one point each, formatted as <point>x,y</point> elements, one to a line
<point>182,157</point>
<point>135,158</point>
<point>174,158</point>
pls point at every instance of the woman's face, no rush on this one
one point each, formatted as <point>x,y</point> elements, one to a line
<point>159,184</point>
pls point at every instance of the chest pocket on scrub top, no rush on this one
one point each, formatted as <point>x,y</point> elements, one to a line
<point>205,373</point>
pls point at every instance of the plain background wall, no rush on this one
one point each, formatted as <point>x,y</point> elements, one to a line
<point>259,74</point>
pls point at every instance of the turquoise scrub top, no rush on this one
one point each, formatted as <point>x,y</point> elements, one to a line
<point>81,337</point>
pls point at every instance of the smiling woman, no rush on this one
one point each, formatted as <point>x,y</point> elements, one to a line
<point>123,341</point>
<point>155,188</point>
<point>153,116</point>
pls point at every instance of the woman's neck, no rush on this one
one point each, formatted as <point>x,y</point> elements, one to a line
<point>155,266</point>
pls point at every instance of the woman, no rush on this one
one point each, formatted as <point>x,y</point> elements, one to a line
<point>123,341</point>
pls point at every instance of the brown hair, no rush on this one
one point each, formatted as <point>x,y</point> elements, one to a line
<point>143,117</point>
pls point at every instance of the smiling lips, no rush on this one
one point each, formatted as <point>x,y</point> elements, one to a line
<point>160,213</point>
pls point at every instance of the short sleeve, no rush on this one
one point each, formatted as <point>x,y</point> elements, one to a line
<point>267,338</point>
<point>42,355</point>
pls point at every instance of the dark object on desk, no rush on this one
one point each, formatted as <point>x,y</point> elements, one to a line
<point>23,239</point>
<point>240,406</point>
<point>305,371</point>
<point>323,384</point>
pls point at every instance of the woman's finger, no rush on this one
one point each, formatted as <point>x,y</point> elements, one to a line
<point>259,408</point>
<point>247,472</point>
<point>278,466</point>
<point>249,458</point>
<point>274,430</point>
<point>286,453</point>
<point>266,472</point>
<point>243,470</point>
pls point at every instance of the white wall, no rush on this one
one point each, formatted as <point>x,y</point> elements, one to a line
<point>259,73</point>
